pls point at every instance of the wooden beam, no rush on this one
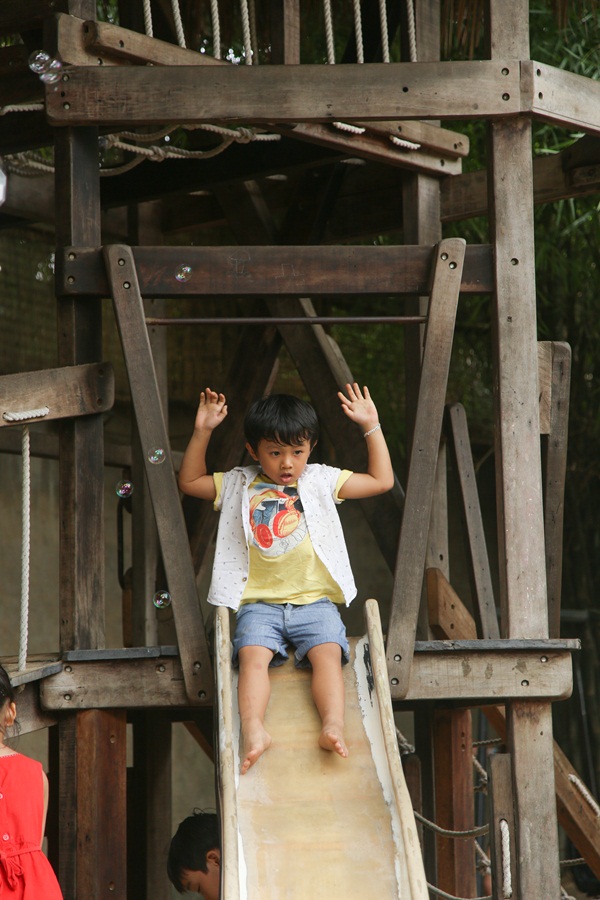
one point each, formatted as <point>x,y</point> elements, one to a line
<point>66,392</point>
<point>150,95</point>
<point>563,98</point>
<point>477,671</point>
<point>447,614</point>
<point>273,271</point>
<point>412,549</point>
<point>502,824</point>
<point>129,312</point>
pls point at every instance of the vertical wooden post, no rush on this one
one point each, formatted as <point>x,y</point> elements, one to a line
<point>502,827</point>
<point>518,459</point>
<point>102,813</point>
<point>454,800</point>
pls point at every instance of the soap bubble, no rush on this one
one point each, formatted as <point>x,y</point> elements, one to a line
<point>53,72</point>
<point>39,61</point>
<point>161,599</point>
<point>156,456</point>
<point>183,273</point>
<point>124,488</point>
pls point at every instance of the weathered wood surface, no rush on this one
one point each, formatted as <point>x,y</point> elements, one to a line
<point>575,814</point>
<point>37,666</point>
<point>273,271</point>
<point>170,524</point>
<point>455,807</point>
<point>446,616</point>
<point>412,548</point>
<point>555,452</point>
<point>502,808</point>
<point>30,715</point>
<point>477,556</point>
<point>145,95</point>
<point>101,769</point>
<point>67,392</point>
<point>561,97</point>
<point>481,671</point>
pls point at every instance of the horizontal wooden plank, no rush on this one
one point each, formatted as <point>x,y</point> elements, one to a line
<point>65,392</point>
<point>473,676</point>
<point>469,675</point>
<point>37,666</point>
<point>218,271</point>
<point>508,645</point>
<point>119,653</point>
<point>563,98</point>
<point>144,95</point>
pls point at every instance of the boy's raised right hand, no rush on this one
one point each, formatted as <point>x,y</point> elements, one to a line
<point>212,409</point>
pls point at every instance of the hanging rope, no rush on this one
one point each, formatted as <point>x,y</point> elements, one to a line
<point>472,832</point>
<point>253,31</point>
<point>385,44</point>
<point>412,31</point>
<point>246,32</point>
<point>505,850</point>
<point>216,28</point>
<point>148,19</point>
<point>25,548</point>
<point>574,779</point>
<point>178,23</point>
<point>360,50</point>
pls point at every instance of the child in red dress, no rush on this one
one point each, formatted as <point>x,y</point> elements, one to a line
<point>25,873</point>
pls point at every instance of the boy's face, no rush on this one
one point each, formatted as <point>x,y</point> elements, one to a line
<point>204,883</point>
<point>282,463</point>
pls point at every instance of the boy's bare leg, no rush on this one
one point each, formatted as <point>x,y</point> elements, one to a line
<point>328,694</point>
<point>254,690</point>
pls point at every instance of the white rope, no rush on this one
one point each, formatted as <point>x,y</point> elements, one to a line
<point>21,415</point>
<point>574,779</point>
<point>329,32</point>
<point>20,107</point>
<point>506,873</point>
<point>404,145</point>
<point>246,32</point>
<point>472,832</point>
<point>216,28</point>
<point>412,31</point>
<point>350,129</point>
<point>484,864</point>
<point>385,44</point>
<point>360,50</point>
<point>148,19</point>
<point>253,31</point>
<point>25,548</point>
<point>178,23</point>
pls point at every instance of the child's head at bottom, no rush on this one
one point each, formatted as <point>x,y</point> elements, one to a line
<point>283,419</point>
<point>8,709</point>
<point>194,855</point>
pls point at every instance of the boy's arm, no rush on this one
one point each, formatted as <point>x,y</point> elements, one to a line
<point>379,476</point>
<point>193,478</point>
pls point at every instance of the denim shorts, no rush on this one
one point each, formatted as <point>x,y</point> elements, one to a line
<point>275,625</point>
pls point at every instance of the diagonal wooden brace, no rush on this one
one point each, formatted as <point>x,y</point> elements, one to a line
<point>129,311</point>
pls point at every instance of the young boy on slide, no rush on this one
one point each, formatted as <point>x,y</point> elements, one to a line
<point>281,560</point>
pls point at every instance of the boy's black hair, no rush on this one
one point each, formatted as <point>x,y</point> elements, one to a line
<point>191,842</point>
<point>283,419</point>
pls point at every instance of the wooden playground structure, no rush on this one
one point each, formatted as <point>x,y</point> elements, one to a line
<point>438,659</point>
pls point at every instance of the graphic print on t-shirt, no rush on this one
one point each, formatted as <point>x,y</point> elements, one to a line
<point>276,518</point>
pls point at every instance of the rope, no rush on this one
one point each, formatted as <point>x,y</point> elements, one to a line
<point>481,772</point>
<point>505,847</point>
<point>484,864</point>
<point>26,414</point>
<point>148,19</point>
<point>440,893</point>
<point>404,145</point>
<point>329,32</point>
<point>246,32</point>
<point>403,744</point>
<point>351,129</point>
<point>385,46</point>
<point>574,779</point>
<point>20,107</point>
<point>253,31</point>
<point>25,548</point>
<point>473,832</point>
<point>360,50</point>
<point>178,23</point>
<point>412,31</point>
<point>216,27</point>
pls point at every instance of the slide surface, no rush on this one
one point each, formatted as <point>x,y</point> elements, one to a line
<point>303,822</point>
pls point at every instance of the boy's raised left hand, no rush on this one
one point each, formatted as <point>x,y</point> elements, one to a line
<point>359,407</point>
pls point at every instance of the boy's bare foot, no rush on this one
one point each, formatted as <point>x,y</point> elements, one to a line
<point>332,738</point>
<point>255,740</point>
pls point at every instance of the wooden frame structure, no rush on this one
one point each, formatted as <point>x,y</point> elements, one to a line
<point>106,85</point>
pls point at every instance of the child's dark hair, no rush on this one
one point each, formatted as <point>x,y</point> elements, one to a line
<point>191,842</point>
<point>7,693</point>
<point>283,419</point>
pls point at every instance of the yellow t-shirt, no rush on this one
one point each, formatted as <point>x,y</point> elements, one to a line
<point>284,567</point>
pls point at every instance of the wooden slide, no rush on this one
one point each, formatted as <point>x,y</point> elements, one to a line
<point>304,822</point>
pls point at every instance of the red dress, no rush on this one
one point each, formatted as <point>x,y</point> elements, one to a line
<point>25,872</point>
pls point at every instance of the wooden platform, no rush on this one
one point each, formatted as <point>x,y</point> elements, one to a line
<point>307,823</point>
